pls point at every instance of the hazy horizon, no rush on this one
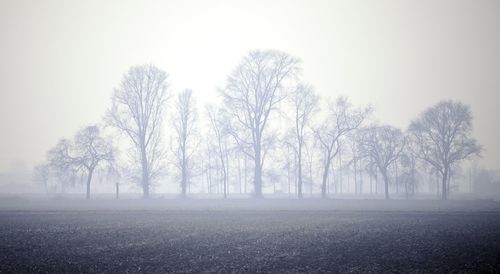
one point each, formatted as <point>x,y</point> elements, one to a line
<point>62,59</point>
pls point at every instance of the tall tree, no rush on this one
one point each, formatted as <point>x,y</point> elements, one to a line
<point>442,136</point>
<point>341,119</point>
<point>305,103</point>
<point>383,145</point>
<point>185,124</point>
<point>137,111</point>
<point>252,93</point>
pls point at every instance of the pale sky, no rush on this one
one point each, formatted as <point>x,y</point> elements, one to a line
<point>60,60</point>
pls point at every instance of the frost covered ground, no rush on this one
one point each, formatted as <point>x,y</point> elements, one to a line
<point>244,235</point>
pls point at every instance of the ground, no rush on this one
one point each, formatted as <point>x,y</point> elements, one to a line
<point>237,236</point>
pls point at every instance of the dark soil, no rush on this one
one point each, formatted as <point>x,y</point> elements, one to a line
<point>156,241</point>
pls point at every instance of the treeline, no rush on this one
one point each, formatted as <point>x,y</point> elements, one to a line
<point>270,131</point>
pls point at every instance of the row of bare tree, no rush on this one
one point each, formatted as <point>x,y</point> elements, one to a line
<point>266,115</point>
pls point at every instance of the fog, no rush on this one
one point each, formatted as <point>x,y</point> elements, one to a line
<point>415,53</point>
<point>249,136</point>
<point>61,63</point>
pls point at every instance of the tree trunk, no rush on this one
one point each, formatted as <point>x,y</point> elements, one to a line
<point>413,181</point>
<point>183,184</point>
<point>295,181</point>
<point>325,177</point>
<point>299,169</point>
<point>219,178</point>
<point>437,185</point>
<point>406,189</point>
<point>288,177</point>
<point>183,173</point>
<point>356,187</point>
<point>371,183</point>
<point>89,179</point>
<point>226,174</point>
<point>396,177</point>
<point>239,173</point>
<point>209,179</point>
<point>340,171</point>
<point>361,182</point>
<point>145,174</point>
<point>444,182</point>
<point>224,180</point>
<point>334,180</point>
<point>348,181</point>
<point>258,172</point>
<point>245,168</point>
<point>386,184</point>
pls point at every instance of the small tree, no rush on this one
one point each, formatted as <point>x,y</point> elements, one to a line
<point>442,137</point>
<point>85,154</point>
<point>42,173</point>
<point>409,174</point>
<point>90,150</point>
<point>342,118</point>
<point>59,162</point>
<point>384,145</point>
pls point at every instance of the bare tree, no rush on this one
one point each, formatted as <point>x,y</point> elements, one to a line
<point>209,166</point>
<point>42,173</point>
<point>61,165</point>
<point>310,155</point>
<point>90,150</point>
<point>184,123</point>
<point>289,153</point>
<point>305,103</point>
<point>384,145</point>
<point>353,144</point>
<point>341,119</point>
<point>442,136</point>
<point>252,93</point>
<point>409,174</point>
<point>218,123</point>
<point>137,111</point>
